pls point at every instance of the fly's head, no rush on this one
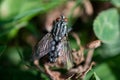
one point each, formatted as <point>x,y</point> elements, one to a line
<point>59,28</point>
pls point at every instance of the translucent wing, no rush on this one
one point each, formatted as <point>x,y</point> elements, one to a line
<point>43,47</point>
<point>65,53</point>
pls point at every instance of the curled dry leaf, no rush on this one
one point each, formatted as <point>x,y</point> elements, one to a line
<point>82,75</point>
<point>78,71</point>
<point>54,75</point>
<point>78,56</point>
<point>94,44</point>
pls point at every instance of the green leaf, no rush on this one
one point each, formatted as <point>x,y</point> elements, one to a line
<point>2,49</point>
<point>94,77</point>
<point>103,71</point>
<point>106,26</point>
<point>44,76</point>
<point>29,9</point>
<point>13,56</point>
<point>89,74</point>
<point>9,8</point>
<point>26,9</point>
<point>109,67</point>
<point>10,30</point>
<point>115,2</point>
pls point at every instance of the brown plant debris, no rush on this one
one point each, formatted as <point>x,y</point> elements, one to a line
<point>78,71</point>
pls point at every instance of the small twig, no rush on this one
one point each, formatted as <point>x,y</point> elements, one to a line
<point>72,72</point>
<point>36,63</point>
<point>54,75</point>
<point>92,45</point>
<point>79,53</point>
<point>77,39</point>
<point>88,58</point>
<point>82,75</point>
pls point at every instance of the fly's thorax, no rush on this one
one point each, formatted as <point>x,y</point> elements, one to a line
<point>59,30</point>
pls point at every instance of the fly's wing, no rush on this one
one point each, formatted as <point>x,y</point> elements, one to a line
<point>65,53</point>
<point>43,47</point>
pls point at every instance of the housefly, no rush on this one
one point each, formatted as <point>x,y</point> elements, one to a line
<point>55,43</point>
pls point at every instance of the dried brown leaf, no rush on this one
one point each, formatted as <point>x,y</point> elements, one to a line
<point>93,44</point>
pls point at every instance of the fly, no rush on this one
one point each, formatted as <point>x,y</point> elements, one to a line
<point>55,43</point>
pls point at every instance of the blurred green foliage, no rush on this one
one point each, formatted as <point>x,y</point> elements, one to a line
<point>17,23</point>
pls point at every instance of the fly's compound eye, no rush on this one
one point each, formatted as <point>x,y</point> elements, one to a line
<point>58,19</point>
<point>65,19</point>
